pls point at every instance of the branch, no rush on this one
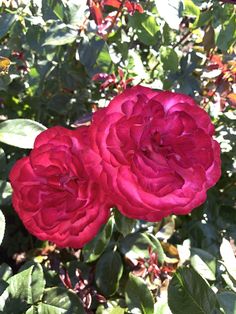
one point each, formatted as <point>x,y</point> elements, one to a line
<point>173,47</point>
<point>115,18</point>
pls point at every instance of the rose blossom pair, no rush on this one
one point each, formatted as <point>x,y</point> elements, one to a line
<point>149,153</point>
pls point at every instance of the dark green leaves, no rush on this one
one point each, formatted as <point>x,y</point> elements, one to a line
<point>94,55</point>
<point>189,293</point>
<point>227,300</point>
<point>109,270</point>
<point>123,224</point>
<point>227,35</point>
<point>97,246</point>
<point>138,297</point>
<point>6,21</point>
<point>20,132</point>
<point>60,34</point>
<point>25,292</point>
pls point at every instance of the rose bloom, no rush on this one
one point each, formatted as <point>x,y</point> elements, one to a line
<point>53,194</point>
<point>158,153</point>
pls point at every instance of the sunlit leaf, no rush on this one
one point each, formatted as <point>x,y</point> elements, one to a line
<point>228,257</point>
<point>2,226</point>
<point>170,11</point>
<point>204,263</point>
<point>20,132</point>
<point>138,297</point>
<point>60,301</point>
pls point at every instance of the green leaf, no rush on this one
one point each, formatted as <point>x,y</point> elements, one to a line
<point>32,310</point>
<point>156,246</point>
<point>188,293</point>
<point>57,7</point>
<point>25,288</point>
<point>2,226</point>
<point>227,300</point>
<point>227,35</point>
<point>93,53</point>
<point>5,271</point>
<point>169,58</point>
<point>5,193</point>
<point>3,286</point>
<point>60,301</point>
<point>204,18</point>
<point>229,281</point>
<point>6,21</point>
<point>161,307</point>
<point>170,11</point>
<point>20,132</point>
<point>115,309</point>
<point>146,28</point>
<point>60,34</point>
<point>97,246</point>
<point>52,9</point>
<point>77,12</point>
<point>136,245</point>
<point>19,291</point>
<point>3,164</point>
<point>190,9</point>
<point>138,296</point>
<point>19,285</point>
<point>204,263</point>
<point>4,297</point>
<point>108,272</point>
<point>103,61</point>
<point>123,224</point>
<point>167,230</point>
<point>37,284</point>
<point>228,257</point>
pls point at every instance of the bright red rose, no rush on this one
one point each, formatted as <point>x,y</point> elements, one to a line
<point>53,194</point>
<point>158,153</point>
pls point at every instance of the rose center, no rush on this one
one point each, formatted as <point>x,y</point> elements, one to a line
<point>69,183</point>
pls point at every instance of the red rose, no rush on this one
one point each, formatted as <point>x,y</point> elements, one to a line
<point>158,153</point>
<point>52,192</point>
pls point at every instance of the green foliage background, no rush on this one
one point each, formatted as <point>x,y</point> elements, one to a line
<point>55,50</point>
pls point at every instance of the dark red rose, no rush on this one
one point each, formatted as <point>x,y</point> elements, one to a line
<point>158,153</point>
<point>53,194</point>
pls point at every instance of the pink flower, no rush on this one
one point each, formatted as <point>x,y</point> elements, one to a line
<point>52,192</point>
<point>158,154</point>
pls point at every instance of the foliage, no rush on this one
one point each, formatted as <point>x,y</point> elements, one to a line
<point>67,59</point>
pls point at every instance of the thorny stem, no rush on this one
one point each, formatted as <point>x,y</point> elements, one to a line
<point>114,20</point>
<point>182,39</point>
